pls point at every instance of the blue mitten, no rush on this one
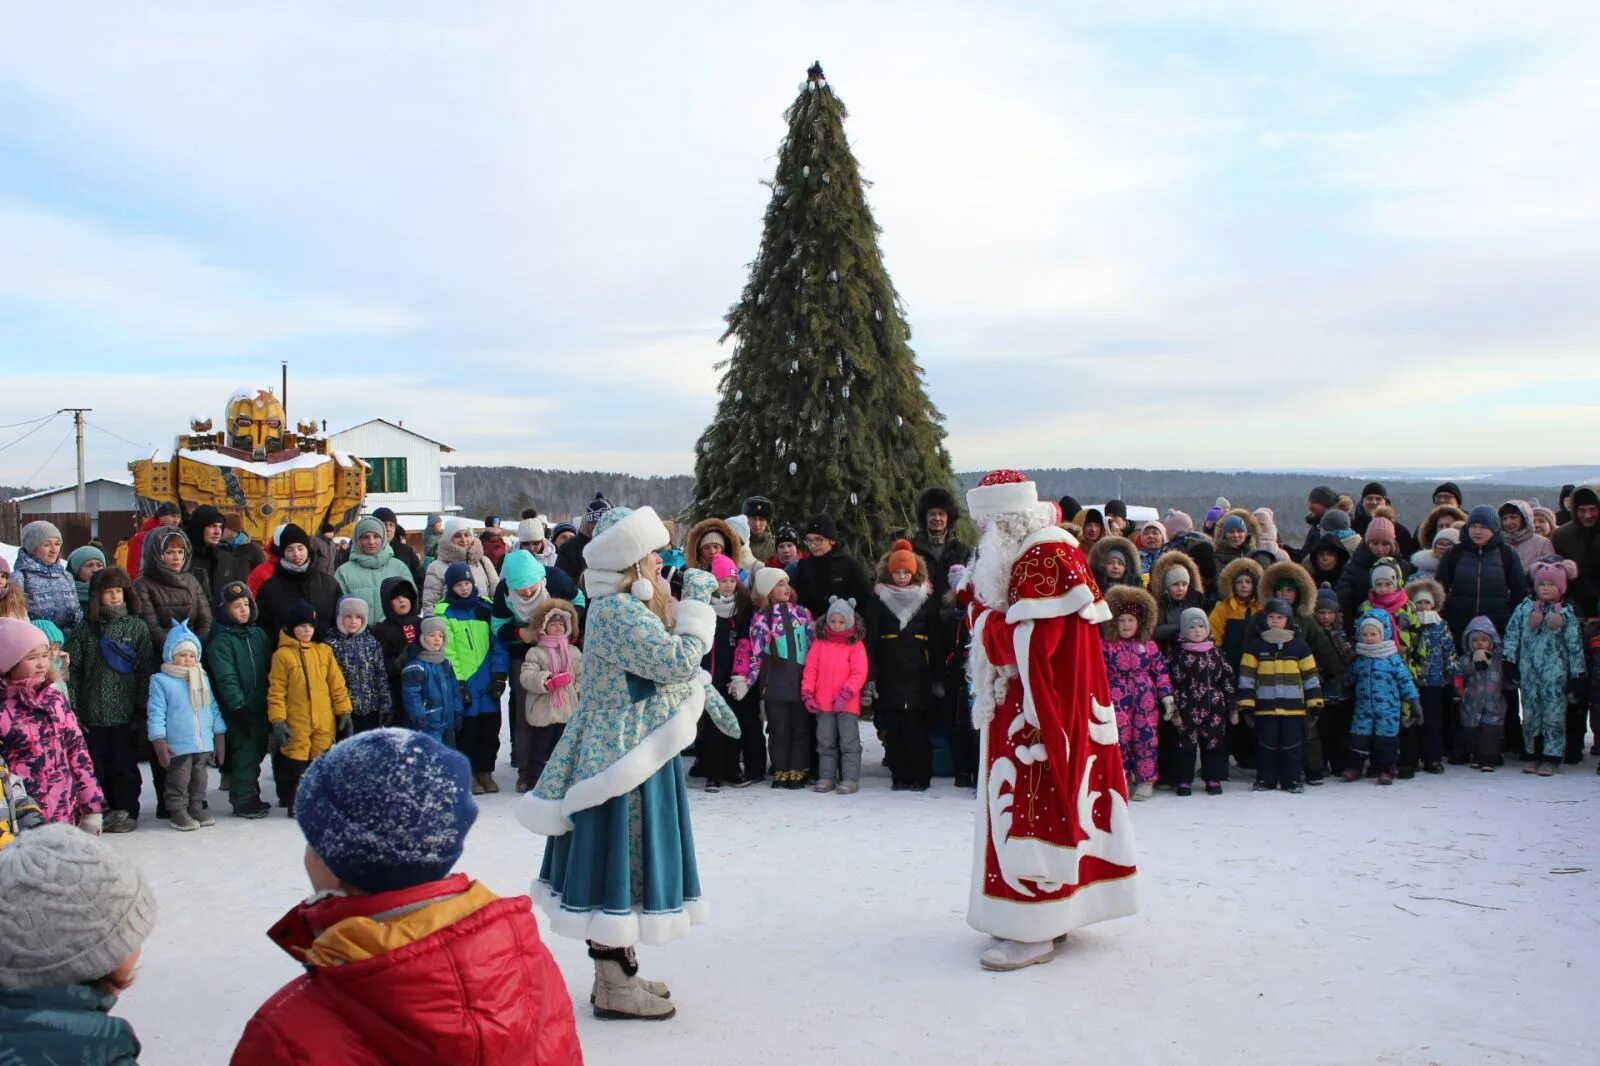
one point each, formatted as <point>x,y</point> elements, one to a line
<point>698,585</point>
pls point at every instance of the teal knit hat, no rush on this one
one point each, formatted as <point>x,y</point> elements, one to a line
<point>51,631</point>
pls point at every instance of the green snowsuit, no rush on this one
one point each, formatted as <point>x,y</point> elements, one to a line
<point>238,658</point>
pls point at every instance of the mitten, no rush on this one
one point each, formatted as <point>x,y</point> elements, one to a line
<point>1172,708</point>
<point>345,725</point>
<point>163,753</point>
<point>698,585</point>
<point>869,694</point>
<point>738,688</point>
<point>90,823</point>
<point>497,687</point>
<point>281,735</point>
<point>558,681</point>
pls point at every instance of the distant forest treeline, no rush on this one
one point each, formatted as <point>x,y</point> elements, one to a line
<point>506,490</point>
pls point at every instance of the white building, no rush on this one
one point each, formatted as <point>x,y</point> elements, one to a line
<point>102,493</point>
<point>405,469</point>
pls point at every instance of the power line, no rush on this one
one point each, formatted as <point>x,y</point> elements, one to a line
<point>31,421</point>
<point>119,436</point>
<point>30,432</point>
<point>46,462</point>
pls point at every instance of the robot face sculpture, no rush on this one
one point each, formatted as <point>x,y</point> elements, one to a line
<point>256,425</point>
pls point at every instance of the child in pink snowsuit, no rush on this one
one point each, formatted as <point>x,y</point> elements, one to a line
<point>836,671</point>
<point>40,740</point>
<point>1140,685</point>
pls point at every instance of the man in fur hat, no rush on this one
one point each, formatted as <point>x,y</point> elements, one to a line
<point>935,536</point>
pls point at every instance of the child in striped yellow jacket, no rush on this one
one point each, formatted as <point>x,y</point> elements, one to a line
<point>1278,685</point>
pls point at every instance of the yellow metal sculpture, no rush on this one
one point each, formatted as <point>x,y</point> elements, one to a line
<point>256,467</point>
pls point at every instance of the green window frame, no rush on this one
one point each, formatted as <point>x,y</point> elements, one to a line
<point>386,475</point>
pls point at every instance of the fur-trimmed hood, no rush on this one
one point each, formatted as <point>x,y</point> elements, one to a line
<point>1232,570</point>
<point>112,577</point>
<point>940,497</point>
<point>1119,595</point>
<point>1252,531</point>
<point>1305,600</point>
<point>691,547</point>
<point>1166,561</point>
<point>1122,545</point>
<point>536,621</point>
<point>1430,524</point>
<point>1429,585</point>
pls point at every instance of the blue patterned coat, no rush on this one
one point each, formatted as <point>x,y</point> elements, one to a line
<point>366,672</point>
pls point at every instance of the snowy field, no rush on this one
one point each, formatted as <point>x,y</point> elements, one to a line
<point>1449,920</point>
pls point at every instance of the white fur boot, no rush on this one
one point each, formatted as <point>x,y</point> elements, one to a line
<point>619,996</point>
<point>1016,954</point>
<point>655,988</point>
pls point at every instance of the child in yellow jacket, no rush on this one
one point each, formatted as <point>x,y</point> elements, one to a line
<point>306,701</point>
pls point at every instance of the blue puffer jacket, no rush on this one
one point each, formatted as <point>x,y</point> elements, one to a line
<point>173,716</point>
<point>432,697</point>
<point>50,592</point>
<point>1380,685</point>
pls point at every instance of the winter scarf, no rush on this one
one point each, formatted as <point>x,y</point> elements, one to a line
<point>523,609</point>
<point>199,689</point>
<point>1381,650</point>
<point>294,568</point>
<point>904,603</point>
<point>1196,645</point>
<point>559,648</point>
<point>1391,603</point>
<point>724,605</point>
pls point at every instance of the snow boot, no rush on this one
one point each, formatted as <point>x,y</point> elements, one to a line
<point>849,788</point>
<point>486,780</point>
<point>181,821</point>
<point>1530,767</point>
<point>620,996</point>
<point>1386,777</point>
<point>824,786</point>
<point>119,822</point>
<point>1260,786</point>
<point>1549,769</point>
<point>630,966</point>
<point>524,784</point>
<point>1183,790</point>
<point>1297,788</point>
<point>201,816</point>
<point>477,786</point>
<point>1351,776</point>
<point>1144,790</point>
<point>1213,788</point>
<point>254,808</point>
<point>1015,955</point>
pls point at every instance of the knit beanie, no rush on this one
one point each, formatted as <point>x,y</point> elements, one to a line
<point>1174,575</point>
<point>1333,520</point>
<point>1553,573</point>
<point>787,534</point>
<point>1547,514</point>
<point>531,530</point>
<point>1327,599</point>
<point>1323,495</point>
<point>1584,496</point>
<point>1383,529</point>
<point>1278,606</point>
<point>1118,553</point>
<point>903,557</point>
<point>1483,515</point>
<point>1191,616</point>
<point>164,510</point>
<point>1385,569</point>
<point>51,631</point>
<point>453,525</point>
<point>597,507</point>
<point>1451,487</point>
<point>83,555</point>
<point>75,909</point>
<point>1069,506</point>
<point>1447,535</point>
<point>386,514</point>
<point>434,623</point>
<point>36,533</point>
<point>457,572</point>
<point>723,567</point>
<point>1374,488</point>
<point>1176,522</point>
<point>387,809</point>
<point>352,605</point>
<point>1117,509</point>
<point>18,637</point>
<point>301,613</point>
<point>823,526</point>
<point>767,579</point>
<point>292,534</point>
<point>838,608</point>
<point>521,569</point>
<point>1231,523</point>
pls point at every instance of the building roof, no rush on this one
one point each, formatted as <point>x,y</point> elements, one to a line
<point>395,425</point>
<point>42,493</point>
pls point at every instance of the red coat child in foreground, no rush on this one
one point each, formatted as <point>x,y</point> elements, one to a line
<point>406,963</point>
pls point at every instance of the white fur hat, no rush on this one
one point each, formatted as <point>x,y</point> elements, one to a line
<point>622,537</point>
<point>1001,492</point>
<point>767,579</point>
<point>741,526</point>
<point>453,525</point>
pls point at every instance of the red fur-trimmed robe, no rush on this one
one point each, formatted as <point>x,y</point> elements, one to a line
<point>1054,843</point>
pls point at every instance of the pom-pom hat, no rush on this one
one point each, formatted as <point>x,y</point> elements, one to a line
<point>902,557</point>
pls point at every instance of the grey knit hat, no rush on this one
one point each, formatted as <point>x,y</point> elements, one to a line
<point>36,533</point>
<point>845,609</point>
<point>434,623</point>
<point>75,909</point>
<point>1192,616</point>
<point>1333,520</point>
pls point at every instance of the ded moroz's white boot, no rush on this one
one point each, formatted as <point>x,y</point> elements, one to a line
<point>1016,954</point>
<point>655,988</point>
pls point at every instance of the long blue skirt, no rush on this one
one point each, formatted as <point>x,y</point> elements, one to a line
<point>626,873</point>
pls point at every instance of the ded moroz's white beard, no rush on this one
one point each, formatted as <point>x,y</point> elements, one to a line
<point>998,549</point>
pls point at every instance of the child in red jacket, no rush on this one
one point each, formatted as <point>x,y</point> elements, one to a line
<point>405,962</point>
<point>836,670</point>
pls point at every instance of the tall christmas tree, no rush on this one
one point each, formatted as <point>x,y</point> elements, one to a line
<point>823,406</point>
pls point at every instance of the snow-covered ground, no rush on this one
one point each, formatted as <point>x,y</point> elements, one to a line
<point>1448,920</point>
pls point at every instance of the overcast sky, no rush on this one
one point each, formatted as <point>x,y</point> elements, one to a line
<point>1271,235</point>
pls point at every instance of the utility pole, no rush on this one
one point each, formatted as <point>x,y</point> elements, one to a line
<point>83,487</point>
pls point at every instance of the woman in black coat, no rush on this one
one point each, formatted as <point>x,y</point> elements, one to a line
<point>905,656</point>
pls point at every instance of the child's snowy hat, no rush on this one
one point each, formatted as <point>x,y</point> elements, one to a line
<point>840,608</point>
<point>1192,616</point>
<point>623,536</point>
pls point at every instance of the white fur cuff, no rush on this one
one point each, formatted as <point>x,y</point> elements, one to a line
<point>696,619</point>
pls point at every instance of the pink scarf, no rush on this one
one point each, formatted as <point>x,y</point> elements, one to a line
<point>557,648</point>
<point>1392,603</point>
<point>1196,645</point>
